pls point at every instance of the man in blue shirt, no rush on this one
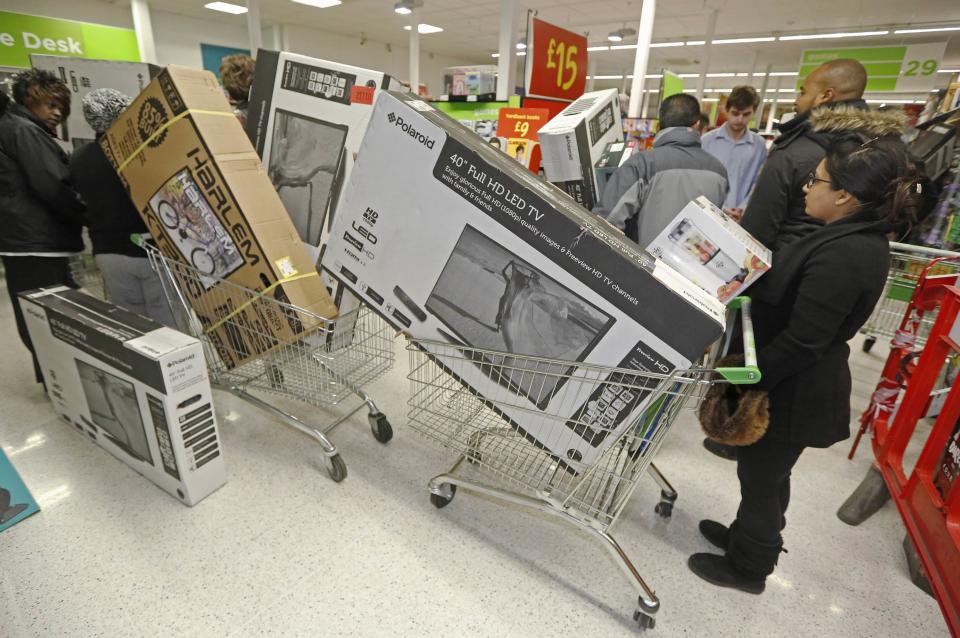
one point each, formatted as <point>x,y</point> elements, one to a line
<point>738,148</point>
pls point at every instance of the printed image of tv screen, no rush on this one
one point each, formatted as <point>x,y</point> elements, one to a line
<point>492,299</point>
<point>306,157</point>
<point>114,408</point>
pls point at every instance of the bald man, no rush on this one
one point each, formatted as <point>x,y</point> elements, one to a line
<point>830,105</point>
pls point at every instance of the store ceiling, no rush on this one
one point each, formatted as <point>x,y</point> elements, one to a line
<point>471,26</point>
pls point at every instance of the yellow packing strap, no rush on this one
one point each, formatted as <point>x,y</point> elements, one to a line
<point>263,293</point>
<point>164,127</point>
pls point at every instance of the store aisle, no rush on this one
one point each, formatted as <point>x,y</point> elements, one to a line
<point>280,550</point>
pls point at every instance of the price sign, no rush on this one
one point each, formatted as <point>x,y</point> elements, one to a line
<point>556,62</point>
<point>906,68</point>
<point>521,123</point>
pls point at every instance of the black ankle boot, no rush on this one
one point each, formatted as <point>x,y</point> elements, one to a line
<point>717,533</point>
<point>718,570</point>
<point>728,452</point>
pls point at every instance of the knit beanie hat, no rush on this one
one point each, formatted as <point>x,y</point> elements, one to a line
<point>102,107</point>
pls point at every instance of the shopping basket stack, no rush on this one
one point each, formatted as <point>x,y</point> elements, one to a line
<point>497,460</point>
<point>907,264</point>
<point>326,367</point>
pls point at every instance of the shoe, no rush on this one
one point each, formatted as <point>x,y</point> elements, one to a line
<point>717,533</point>
<point>728,452</point>
<point>718,570</point>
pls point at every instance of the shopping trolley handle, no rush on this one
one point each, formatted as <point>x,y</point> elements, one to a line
<point>749,373</point>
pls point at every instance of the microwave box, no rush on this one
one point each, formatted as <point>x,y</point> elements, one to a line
<point>83,75</point>
<point>451,240</point>
<point>138,389</point>
<point>208,202</point>
<point>573,143</point>
<point>306,119</point>
<point>712,250</point>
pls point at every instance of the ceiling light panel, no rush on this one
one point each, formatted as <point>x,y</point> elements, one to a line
<point>226,7</point>
<point>424,29</point>
<point>320,4</point>
<point>927,30</point>
<point>827,36</point>
<point>766,38</point>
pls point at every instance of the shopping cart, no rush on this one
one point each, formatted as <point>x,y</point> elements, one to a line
<point>907,263</point>
<point>326,367</point>
<point>498,461</point>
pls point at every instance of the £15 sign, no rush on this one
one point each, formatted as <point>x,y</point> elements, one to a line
<point>557,67</point>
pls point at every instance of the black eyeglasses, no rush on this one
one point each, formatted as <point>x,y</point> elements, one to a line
<point>813,179</point>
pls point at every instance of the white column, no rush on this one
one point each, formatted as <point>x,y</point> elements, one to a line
<point>626,81</point>
<point>415,51</point>
<point>506,69</point>
<point>144,30</point>
<point>708,50</point>
<point>773,106</point>
<point>591,71</point>
<point>763,96</point>
<point>278,36</point>
<point>253,26</point>
<point>644,36</point>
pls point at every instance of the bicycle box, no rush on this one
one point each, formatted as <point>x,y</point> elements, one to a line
<point>207,201</point>
<point>449,239</point>
<point>573,142</point>
<point>136,388</point>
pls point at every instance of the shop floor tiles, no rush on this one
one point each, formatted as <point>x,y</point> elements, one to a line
<point>280,550</point>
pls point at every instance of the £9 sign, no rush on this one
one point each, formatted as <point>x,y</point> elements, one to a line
<point>557,67</point>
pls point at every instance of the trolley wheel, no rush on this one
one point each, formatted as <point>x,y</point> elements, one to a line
<point>382,430</point>
<point>645,621</point>
<point>336,468</point>
<point>439,501</point>
<point>868,343</point>
<point>664,509</point>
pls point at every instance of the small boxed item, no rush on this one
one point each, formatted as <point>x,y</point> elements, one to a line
<point>450,239</point>
<point>574,141</point>
<point>138,389</point>
<point>207,201</point>
<point>711,250</point>
<point>83,75</point>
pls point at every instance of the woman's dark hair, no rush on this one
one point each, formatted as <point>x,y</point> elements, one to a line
<point>35,85</point>
<point>880,174</point>
<point>236,71</point>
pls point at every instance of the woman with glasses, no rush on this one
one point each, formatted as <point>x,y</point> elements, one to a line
<point>821,290</point>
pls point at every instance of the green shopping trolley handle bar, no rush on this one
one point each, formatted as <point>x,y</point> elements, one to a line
<point>749,373</point>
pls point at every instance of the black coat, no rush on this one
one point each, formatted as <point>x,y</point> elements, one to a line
<point>39,210</point>
<point>775,211</point>
<point>111,215</point>
<point>819,293</point>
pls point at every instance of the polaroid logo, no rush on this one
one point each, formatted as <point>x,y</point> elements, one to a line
<point>183,360</point>
<point>396,120</point>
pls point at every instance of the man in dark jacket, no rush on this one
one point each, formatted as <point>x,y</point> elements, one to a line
<point>648,191</point>
<point>830,105</point>
<point>40,213</point>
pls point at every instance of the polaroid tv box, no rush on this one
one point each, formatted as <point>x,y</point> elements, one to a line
<point>574,140</point>
<point>711,250</point>
<point>306,119</point>
<point>452,240</point>
<point>83,75</point>
<point>207,201</point>
<point>140,390</point>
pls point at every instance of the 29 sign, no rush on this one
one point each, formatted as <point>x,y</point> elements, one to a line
<point>556,62</point>
<point>920,67</point>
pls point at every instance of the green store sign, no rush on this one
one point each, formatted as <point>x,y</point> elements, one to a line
<point>907,68</point>
<point>21,35</point>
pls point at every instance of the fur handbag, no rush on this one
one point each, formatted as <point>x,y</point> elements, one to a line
<point>734,414</point>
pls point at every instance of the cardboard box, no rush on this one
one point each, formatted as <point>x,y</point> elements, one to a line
<point>207,201</point>
<point>573,142</point>
<point>452,240</point>
<point>138,389</point>
<point>712,250</point>
<point>16,502</point>
<point>84,75</point>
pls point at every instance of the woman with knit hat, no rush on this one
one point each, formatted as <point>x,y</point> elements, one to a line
<point>129,280</point>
